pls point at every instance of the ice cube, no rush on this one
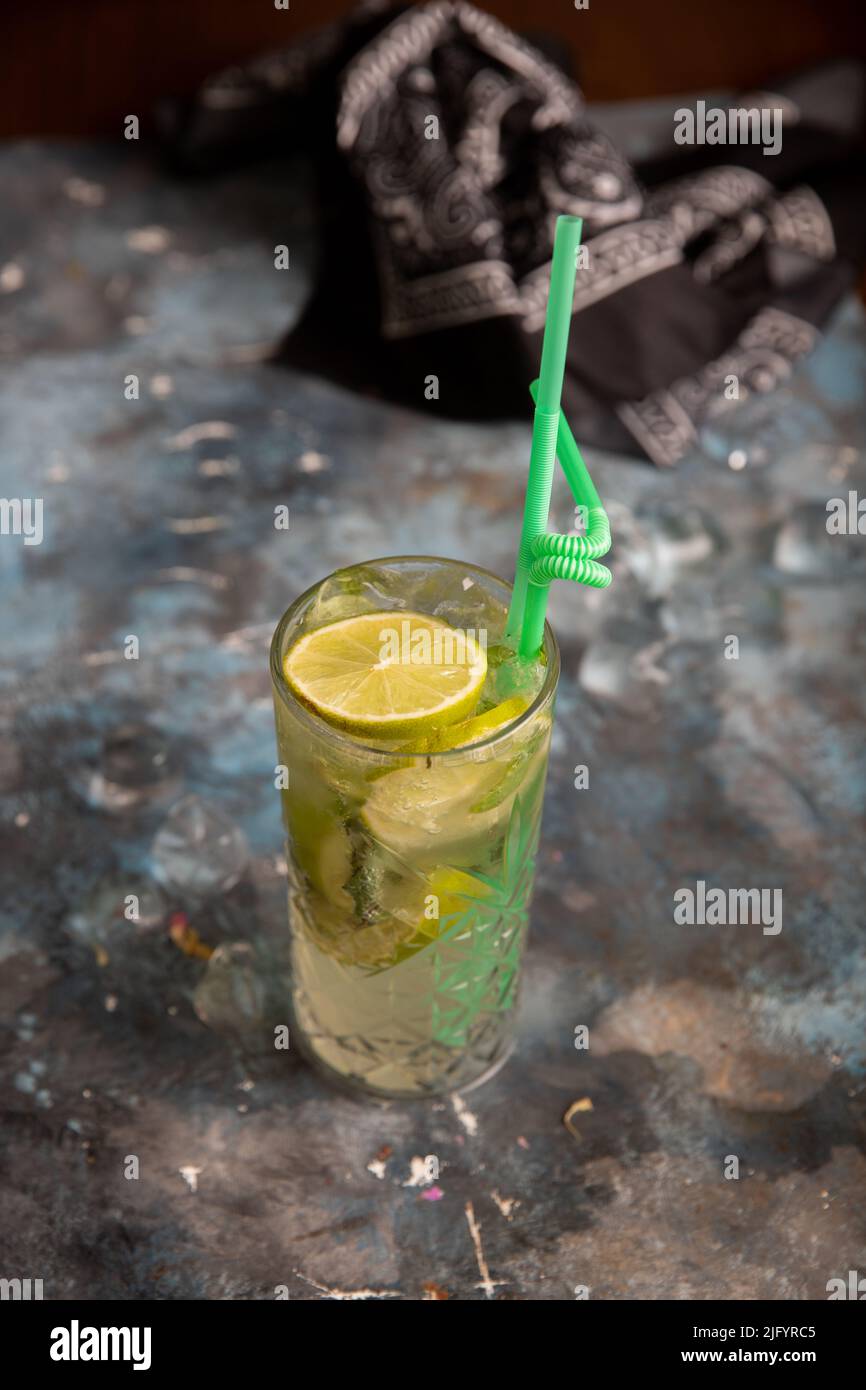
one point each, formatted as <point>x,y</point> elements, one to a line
<point>622,665</point>
<point>198,850</point>
<point>117,908</point>
<point>660,546</point>
<point>511,677</point>
<point>134,766</point>
<point>458,596</point>
<point>475,609</point>
<point>244,992</point>
<point>356,589</point>
<point>691,614</point>
<point>804,546</point>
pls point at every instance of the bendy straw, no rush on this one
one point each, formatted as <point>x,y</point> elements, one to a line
<point>543,556</point>
<point>528,598</point>
<point>574,557</point>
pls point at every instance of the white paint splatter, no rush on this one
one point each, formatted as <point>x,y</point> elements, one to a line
<point>348,1295</point>
<point>487,1284</point>
<point>89,195</point>
<point>101,658</point>
<point>190,1176</point>
<point>419,1173</point>
<point>465,1116</point>
<point>247,352</point>
<point>196,525</point>
<point>57,473</point>
<point>507,1205</point>
<point>256,635</point>
<point>204,429</point>
<point>645,664</point>
<point>182,574</point>
<point>311,462</point>
<point>12,277</point>
<point>220,468</point>
<point>151,240</point>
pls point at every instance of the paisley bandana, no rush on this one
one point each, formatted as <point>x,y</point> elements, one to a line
<point>445,147</point>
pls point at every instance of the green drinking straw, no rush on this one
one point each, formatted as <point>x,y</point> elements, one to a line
<point>574,557</point>
<point>542,556</point>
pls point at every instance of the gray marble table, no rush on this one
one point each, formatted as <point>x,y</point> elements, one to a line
<point>706,1042</point>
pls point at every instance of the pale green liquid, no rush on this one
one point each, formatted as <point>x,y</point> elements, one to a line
<point>408,926</point>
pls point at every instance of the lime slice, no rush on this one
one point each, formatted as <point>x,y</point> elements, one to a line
<point>520,771</point>
<point>391,674</point>
<point>423,814</point>
<point>372,947</point>
<point>395,928</point>
<point>478,727</point>
<point>402,928</point>
<point>455,892</point>
<point>322,850</point>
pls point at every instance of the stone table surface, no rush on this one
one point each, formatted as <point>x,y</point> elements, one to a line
<point>149,1154</point>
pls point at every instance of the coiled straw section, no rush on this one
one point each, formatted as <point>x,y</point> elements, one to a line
<point>573,557</point>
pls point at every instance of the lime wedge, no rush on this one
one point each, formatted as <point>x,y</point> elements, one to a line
<point>387,675</point>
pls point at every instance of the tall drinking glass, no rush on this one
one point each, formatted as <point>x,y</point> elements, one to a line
<point>410,872</point>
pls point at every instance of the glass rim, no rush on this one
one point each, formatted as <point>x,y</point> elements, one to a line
<point>315,723</point>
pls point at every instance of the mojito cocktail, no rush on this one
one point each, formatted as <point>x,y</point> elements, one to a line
<point>415,753</point>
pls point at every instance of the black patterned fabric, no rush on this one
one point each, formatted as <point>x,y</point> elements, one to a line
<point>445,147</point>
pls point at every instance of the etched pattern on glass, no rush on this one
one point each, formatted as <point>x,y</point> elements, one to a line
<point>439,1012</point>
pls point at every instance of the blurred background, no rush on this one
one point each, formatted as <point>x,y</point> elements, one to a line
<point>75,67</point>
